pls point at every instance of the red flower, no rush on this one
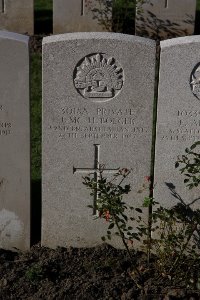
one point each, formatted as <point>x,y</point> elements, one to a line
<point>107,215</point>
<point>147,178</point>
<point>130,242</point>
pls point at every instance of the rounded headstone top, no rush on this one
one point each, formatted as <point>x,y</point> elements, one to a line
<point>180,41</point>
<point>98,36</point>
<point>14,36</point>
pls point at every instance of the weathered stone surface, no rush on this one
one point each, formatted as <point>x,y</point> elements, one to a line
<point>162,19</point>
<point>17,16</point>
<point>178,125</point>
<point>92,115</point>
<point>81,15</point>
<point>15,142</point>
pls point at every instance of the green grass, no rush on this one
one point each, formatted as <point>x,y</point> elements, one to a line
<point>198,4</point>
<point>36,132</point>
<point>43,5</point>
<point>43,16</point>
<point>36,100</point>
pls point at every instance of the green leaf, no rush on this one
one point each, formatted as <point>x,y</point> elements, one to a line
<point>111,226</point>
<point>147,202</point>
<point>127,188</point>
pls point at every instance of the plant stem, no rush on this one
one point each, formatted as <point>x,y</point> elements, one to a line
<point>184,247</point>
<point>125,244</point>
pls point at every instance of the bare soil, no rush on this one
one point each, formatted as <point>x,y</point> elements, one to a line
<point>102,273</point>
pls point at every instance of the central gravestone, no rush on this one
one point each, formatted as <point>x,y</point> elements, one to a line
<point>95,111</point>
<point>163,19</point>
<point>82,15</point>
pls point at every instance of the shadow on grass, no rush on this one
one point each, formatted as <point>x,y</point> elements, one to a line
<point>43,21</point>
<point>35,211</point>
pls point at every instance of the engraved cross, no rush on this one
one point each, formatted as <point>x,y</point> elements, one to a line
<point>2,6</point>
<point>82,7</point>
<point>96,171</point>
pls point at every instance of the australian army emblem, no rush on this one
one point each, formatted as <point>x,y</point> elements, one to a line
<point>98,78</point>
<point>195,81</point>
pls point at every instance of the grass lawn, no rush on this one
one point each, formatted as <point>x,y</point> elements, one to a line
<point>36,100</point>
<point>43,5</point>
<point>198,4</point>
<point>43,16</point>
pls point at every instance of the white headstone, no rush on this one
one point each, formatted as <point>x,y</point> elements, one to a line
<point>162,19</point>
<point>97,109</point>
<point>15,142</point>
<point>82,15</point>
<point>178,125</point>
<point>17,16</point>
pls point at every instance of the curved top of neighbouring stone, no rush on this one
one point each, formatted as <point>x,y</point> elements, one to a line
<point>14,36</point>
<point>98,36</point>
<point>180,41</point>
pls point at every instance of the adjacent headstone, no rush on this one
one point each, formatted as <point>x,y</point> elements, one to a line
<point>15,142</point>
<point>178,125</point>
<point>17,16</point>
<point>98,91</point>
<point>163,19</point>
<point>82,15</point>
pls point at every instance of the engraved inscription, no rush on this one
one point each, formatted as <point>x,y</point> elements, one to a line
<point>5,126</point>
<point>103,123</point>
<point>195,81</point>
<point>98,77</point>
<point>187,127</point>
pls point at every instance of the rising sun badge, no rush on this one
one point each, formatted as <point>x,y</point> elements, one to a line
<point>98,77</point>
<point>195,81</point>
